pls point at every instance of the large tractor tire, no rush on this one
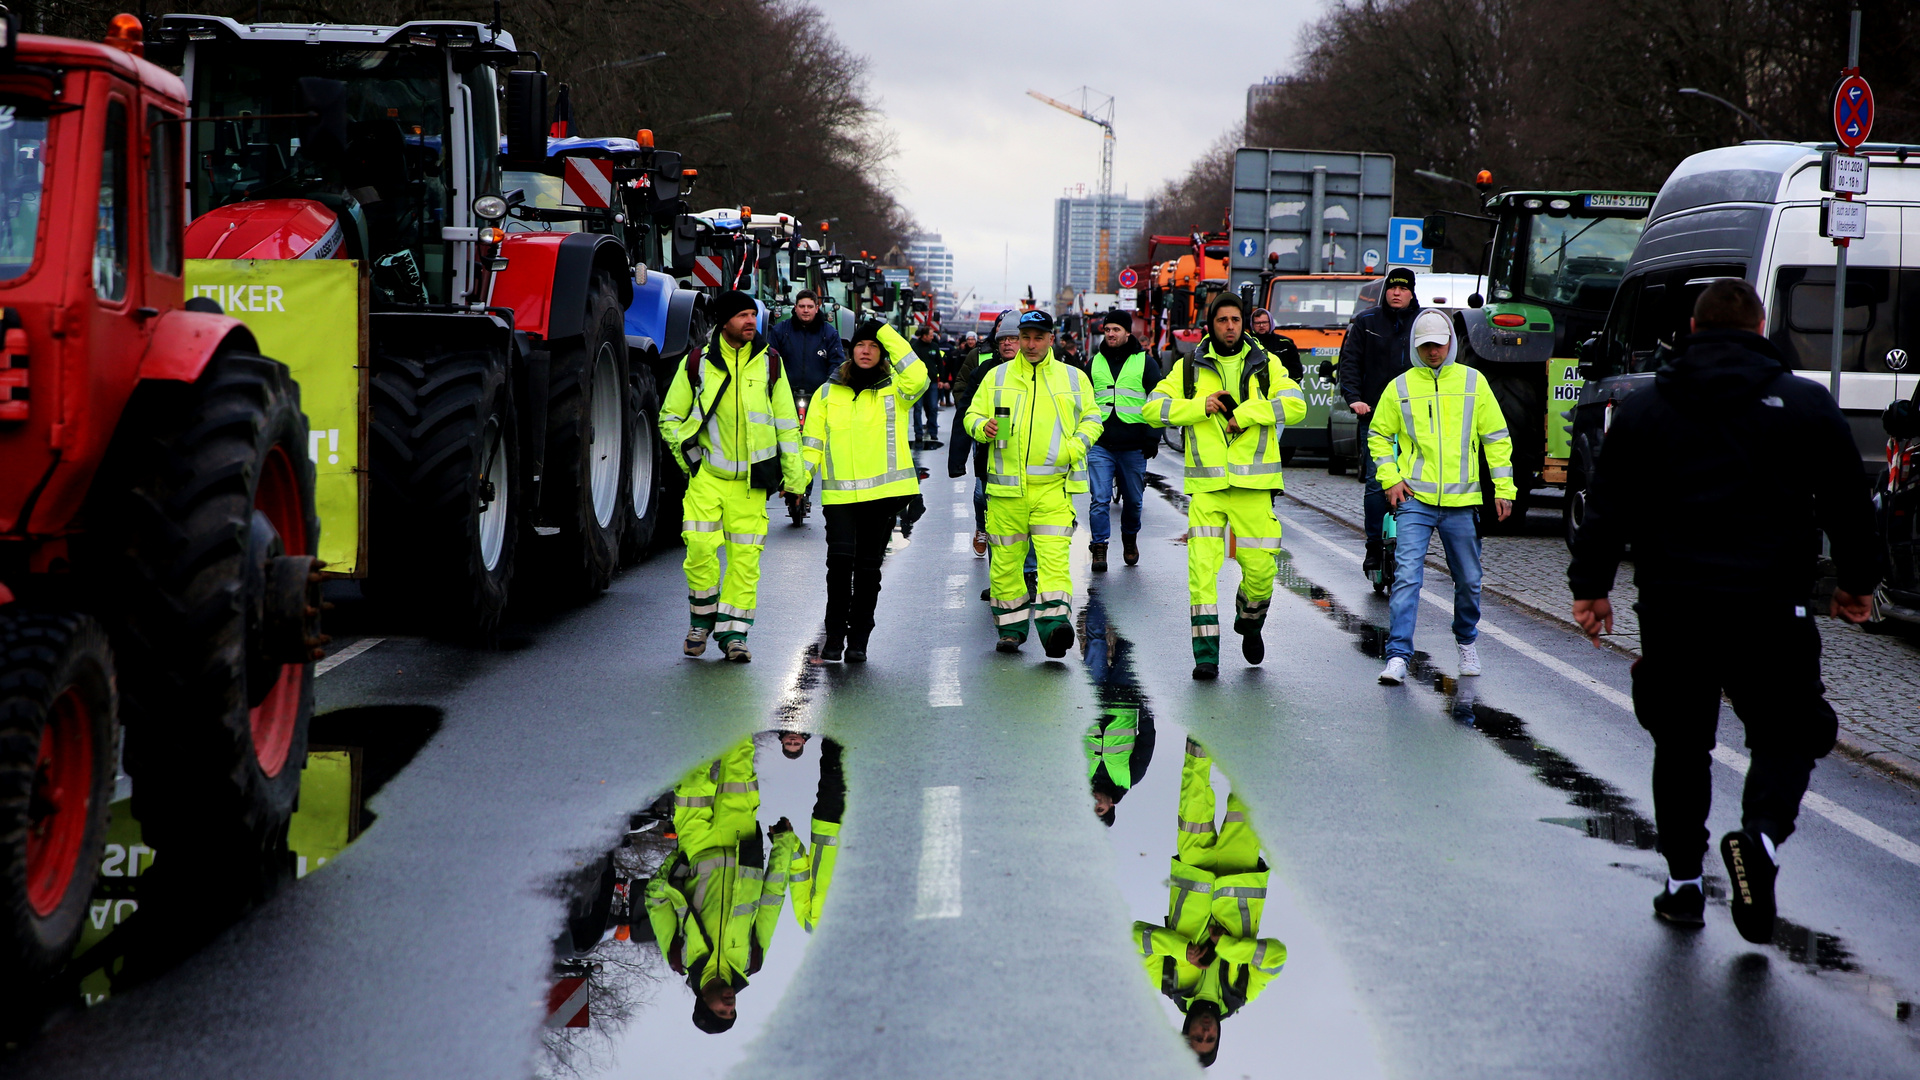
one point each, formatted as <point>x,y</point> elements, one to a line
<point>214,600</point>
<point>645,495</point>
<point>446,489</point>
<point>58,729</point>
<point>589,426</point>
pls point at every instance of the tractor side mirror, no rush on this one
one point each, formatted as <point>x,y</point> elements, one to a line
<point>323,136</point>
<point>1476,301</point>
<point>666,177</point>
<point>686,239</point>
<point>527,118</point>
<point>1247,289</point>
<point>1433,232</point>
<point>1589,356</point>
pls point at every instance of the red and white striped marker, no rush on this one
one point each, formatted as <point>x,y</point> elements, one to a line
<point>589,183</point>
<point>707,270</point>
<point>567,1002</point>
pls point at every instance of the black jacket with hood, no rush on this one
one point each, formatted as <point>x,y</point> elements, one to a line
<point>1121,435</point>
<point>1377,348</point>
<point>1722,476</point>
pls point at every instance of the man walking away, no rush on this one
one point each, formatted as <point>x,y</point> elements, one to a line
<point>1438,415</point>
<point>1038,418</point>
<point>1375,351</point>
<point>1234,405</point>
<point>950,372</point>
<point>808,345</point>
<point>1279,346</point>
<point>1722,477</point>
<point>926,411</point>
<point>729,420</point>
<point>1122,371</point>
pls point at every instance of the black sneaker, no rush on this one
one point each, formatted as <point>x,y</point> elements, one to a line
<point>1252,647</point>
<point>856,654</point>
<point>832,649</point>
<point>1372,562</point>
<point>1750,877</point>
<point>1008,644</point>
<point>1058,641</point>
<point>1688,907</point>
<point>1205,671</point>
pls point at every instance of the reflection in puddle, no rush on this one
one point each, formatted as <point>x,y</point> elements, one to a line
<point>351,754</point>
<point>671,954</point>
<point>1198,933</point>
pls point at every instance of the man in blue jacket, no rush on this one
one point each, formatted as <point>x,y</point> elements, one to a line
<point>808,344</point>
<point>1376,350</point>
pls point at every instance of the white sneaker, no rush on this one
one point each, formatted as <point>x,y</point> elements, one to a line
<point>1395,672</point>
<point>1469,659</point>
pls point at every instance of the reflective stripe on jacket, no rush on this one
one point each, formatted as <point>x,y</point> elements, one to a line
<point>1110,742</point>
<point>857,439</point>
<point>810,874</point>
<point>1048,423</point>
<point>1215,459</point>
<point>737,418</point>
<point>1125,395</point>
<point>1443,417</point>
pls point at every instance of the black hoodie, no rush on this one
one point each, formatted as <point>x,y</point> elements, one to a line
<point>1722,476</point>
<point>1120,435</point>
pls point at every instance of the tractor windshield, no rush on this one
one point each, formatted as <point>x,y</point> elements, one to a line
<point>23,170</point>
<point>543,192</point>
<point>1568,260</point>
<point>362,131</point>
<point>1307,302</point>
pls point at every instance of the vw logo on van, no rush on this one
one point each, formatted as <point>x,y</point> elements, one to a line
<point>1896,359</point>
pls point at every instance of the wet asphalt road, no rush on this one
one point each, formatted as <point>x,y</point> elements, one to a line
<point>1461,871</point>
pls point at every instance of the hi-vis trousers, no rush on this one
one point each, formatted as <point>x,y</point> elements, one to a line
<point>717,512</point>
<point>1256,541</point>
<point>1044,516</point>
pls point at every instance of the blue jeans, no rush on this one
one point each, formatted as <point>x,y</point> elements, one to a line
<point>1104,466</point>
<point>1417,522</point>
<point>926,415</point>
<point>1374,502</point>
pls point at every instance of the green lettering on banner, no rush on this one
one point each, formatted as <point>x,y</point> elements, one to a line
<point>305,313</point>
<point>1563,393</point>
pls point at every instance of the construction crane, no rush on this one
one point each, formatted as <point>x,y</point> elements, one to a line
<point>1101,113</point>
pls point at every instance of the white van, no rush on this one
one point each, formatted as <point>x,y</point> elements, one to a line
<point>1753,211</point>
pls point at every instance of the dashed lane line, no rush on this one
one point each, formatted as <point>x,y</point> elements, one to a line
<point>957,592</point>
<point>944,693</point>
<point>1890,842</point>
<point>938,886</point>
<point>327,664</point>
<point>962,511</point>
<point>963,543</point>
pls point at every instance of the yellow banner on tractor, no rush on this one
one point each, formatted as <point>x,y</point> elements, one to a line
<point>309,315</point>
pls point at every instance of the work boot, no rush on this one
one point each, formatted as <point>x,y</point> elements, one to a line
<point>986,594</point>
<point>697,640</point>
<point>1130,548</point>
<point>1252,646</point>
<point>1750,874</point>
<point>1099,557</point>
<point>1204,671</point>
<point>834,647</point>
<point>1008,643</point>
<point>980,549</point>
<point>1685,907</point>
<point>857,649</point>
<point>737,651</point>
<point>1371,563</point>
<point>1058,640</point>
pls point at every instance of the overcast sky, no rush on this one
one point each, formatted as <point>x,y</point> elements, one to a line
<point>981,163</point>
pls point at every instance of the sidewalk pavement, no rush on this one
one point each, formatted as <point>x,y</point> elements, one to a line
<point>1873,681</point>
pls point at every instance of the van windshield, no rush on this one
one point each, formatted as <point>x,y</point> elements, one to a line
<point>1307,302</point>
<point>23,171</point>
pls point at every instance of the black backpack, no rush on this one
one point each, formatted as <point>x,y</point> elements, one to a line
<point>1186,368</point>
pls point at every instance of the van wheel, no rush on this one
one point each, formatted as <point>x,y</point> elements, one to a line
<point>58,728</point>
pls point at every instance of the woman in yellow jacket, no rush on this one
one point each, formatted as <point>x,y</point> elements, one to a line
<point>855,438</point>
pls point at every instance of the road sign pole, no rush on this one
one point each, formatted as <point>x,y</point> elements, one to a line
<point>1840,244</point>
<point>1315,230</point>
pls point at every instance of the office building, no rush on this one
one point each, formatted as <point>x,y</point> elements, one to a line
<point>1076,239</point>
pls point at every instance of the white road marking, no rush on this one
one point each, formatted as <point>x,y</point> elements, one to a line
<point>962,511</point>
<point>963,487</point>
<point>956,592</point>
<point>329,663</point>
<point>939,880</point>
<point>945,691</point>
<point>1892,843</point>
<point>963,543</point>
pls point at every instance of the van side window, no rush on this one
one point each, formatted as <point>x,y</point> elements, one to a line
<point>110,235</point>
<point>1664,311</point>
<point>1620,327</point>
<point>1803,316</point>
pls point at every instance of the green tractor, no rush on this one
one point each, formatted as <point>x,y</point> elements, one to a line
<point>1551,268</point>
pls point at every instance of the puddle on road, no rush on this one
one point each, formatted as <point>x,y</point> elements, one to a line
<point>680,941</point>
<point>351,754</point>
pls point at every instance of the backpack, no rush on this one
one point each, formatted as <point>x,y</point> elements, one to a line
<point>764,475</point>
<point>1186,368</point>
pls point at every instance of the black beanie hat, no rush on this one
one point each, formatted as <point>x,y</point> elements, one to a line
<point>1224,300</point>
<point>1118,318</point>
<point>1399,275</point>
<point>868,330</point>
<point>728,304</point>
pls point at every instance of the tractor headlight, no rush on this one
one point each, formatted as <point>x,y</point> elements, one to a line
<point>490,207</point>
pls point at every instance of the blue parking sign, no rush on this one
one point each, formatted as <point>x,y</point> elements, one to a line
<point>1403,243</point>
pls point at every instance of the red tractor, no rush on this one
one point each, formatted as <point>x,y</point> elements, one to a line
<point>157,522</point>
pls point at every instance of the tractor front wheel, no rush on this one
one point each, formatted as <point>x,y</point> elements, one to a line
<point>646,494</point>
